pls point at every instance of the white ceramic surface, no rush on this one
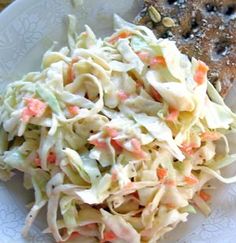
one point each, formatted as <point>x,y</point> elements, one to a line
<point>27,30</point>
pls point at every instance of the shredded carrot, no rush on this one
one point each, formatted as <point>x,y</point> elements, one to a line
<point>137,150</point>
<point>140,155</point>
<point>114,175</point>
<point>108,236</point>
<point>51,159</point>
<point>26,115</point>
<point>210,136</point>
<point>202,67</point>
<point>135,194</point>
<point>155,94</point>
<point>152,61</point>
<point>170,205</point>
<point>188,149</point>
<point>73,110</point>
<point>173,114</point>
<point>117,145</point>
<point>121,35</point>
<point>37,107</point>
<point>158,60</point>
<point>70,73</point>
<point>136,144</point>
<point>124,34</point>
<point>74,235</point>
<point>190,180</point>
<point>200,73</point>
<point>34,107</point>
<point>111,132</point>
<point>161,173</point>
<point>204,196</point>
<point>99,144</point>
<point>122,95</point>
<point>169,182</point>
<point>143,55</point>
<point>91,226</point>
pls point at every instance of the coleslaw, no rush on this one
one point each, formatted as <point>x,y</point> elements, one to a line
<point>117,136</point>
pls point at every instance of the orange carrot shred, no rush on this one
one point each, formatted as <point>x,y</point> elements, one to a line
<point>26,115</point>
<point>37,107</point>
<point>135,194</point>
<point>204,196</point>
<point>202,67</point>
<point>111,132</point>
<point>188,149</point>
<point>51,159</point>
<point>210,136</point>
<point>122,95</point>
<point>34,107</point>
<point>73,110</point>
<point>170,205</point>
<point>122,35</point>
<point>117,145</point>
<point>74,235</point>
<point>158,60</point>
<point>170,182</point>
<point>70,73</point>
<point>190,180</point>
<point>136,144</point>
<point>109,236</point>
<point>137,150</point>
<point>161,173</point>
<point>114,175</point>
<point>200,73</point>
<point>155,94</point>
<point>173,114</point>
<point>91,226</point>
<point>143,55</point>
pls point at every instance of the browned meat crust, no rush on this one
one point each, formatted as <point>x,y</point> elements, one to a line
<point>205,29</point>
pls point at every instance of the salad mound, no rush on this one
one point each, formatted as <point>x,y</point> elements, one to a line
<point>118,137</point>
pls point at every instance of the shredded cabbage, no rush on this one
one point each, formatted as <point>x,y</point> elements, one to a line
<point>116,136</point>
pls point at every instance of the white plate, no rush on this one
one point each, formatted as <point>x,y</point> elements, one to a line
<point>27,29</point>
